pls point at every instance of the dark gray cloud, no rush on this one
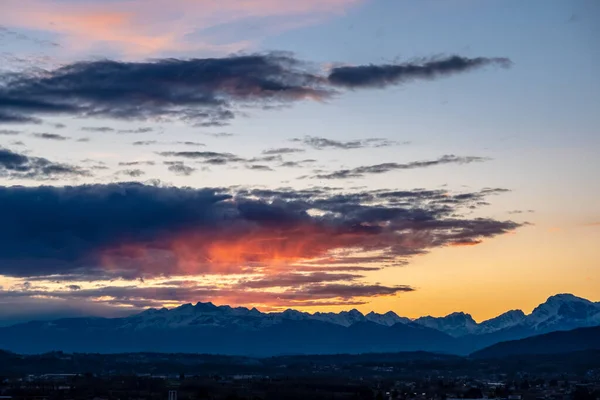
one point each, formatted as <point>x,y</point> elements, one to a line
<point>188,143</point>
<point>202,92</point>
<point>13,118</point>
<point>136,297</point>
<point>295,279</point>
<point>380,76</point>
<point>133,163</point>
<point>521,211</point>
<point>271,158</point>
<point>9,132</point>
<point>134,173</point>
<point>294,164</point>
<point>220,134</point>
<point>144,142</point>
<point>50,136</point>
<point>360,172</point>
<point>282,150</point>
<point>179,168</point>
<point>136,130</point>
<point>205,157</point>
<point>83,140</point>
<point>102,129</point>
<point>258,167</point>
<point>132,230</point>
<point>15,165</point>
<point>320,143</point>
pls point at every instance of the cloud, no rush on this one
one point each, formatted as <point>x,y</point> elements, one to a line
<point>188,143</point>
<point>206,157</point>
<point>135,297</point>
<point>295,279</point>
<point>19,36</point>
<point>139,28</point>
<point>102,129</point>
<point>592,224</point>
<point>144,142</point>
<point>360,172</point>
<point>267,247</point>
<point>136,130</point>
<point>257,167</point>
<point>197,90</point>
<point>381,76</point>
<point>132,230</point>
<point>282,150</point>
<point>50,136</point>
<point>134,173</point>
<point>20,166</point>
<point>293,164</point>
<point>201,92</point>
<point>12,118</point>
<point>320,143</point>
<point>220,134</point>
<point>132,163</point>
<point>180,168</point>
<point>9,132</point>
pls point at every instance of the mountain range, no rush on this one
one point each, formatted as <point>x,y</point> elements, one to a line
<point>207,328</point>
<point>560,342</point>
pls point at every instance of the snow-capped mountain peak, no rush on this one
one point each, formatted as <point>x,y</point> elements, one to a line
<point>502,321</point>
<point>388,319</point>
<point>455,324</point>
<point>564,311</point>
<point>344,318</point>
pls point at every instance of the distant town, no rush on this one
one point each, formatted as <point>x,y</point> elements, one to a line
<point>418,376</point>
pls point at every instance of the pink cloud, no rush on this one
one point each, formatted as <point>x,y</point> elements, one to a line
<point>139,28</point>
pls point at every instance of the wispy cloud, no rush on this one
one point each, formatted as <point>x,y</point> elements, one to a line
<point>10,132</point>
<point>51,136</point>
<point>141,28</point>
<point>180,168</point>
<point>97,129</point>
<point>15,165</point>
<point>360,172</point>
<point>282,150</point>
<point>381,76</point>
<point>134,173</point>
<point>320,143</point>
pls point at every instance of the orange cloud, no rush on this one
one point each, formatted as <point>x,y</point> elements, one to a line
<point>143,28</point>
<point>592,224</point>
<point>461,243</point>
<point>266,249</point>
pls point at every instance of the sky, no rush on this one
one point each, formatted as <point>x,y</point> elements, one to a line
<point>421,157</point>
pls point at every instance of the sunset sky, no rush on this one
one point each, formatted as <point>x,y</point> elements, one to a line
<point>422,156</point>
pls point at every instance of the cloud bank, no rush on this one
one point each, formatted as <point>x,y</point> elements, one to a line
<point>202,92</point>
<point>132,230</point>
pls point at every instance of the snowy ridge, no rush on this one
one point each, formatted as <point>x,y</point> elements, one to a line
<point>559,312</point>
<point>455,324</point>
